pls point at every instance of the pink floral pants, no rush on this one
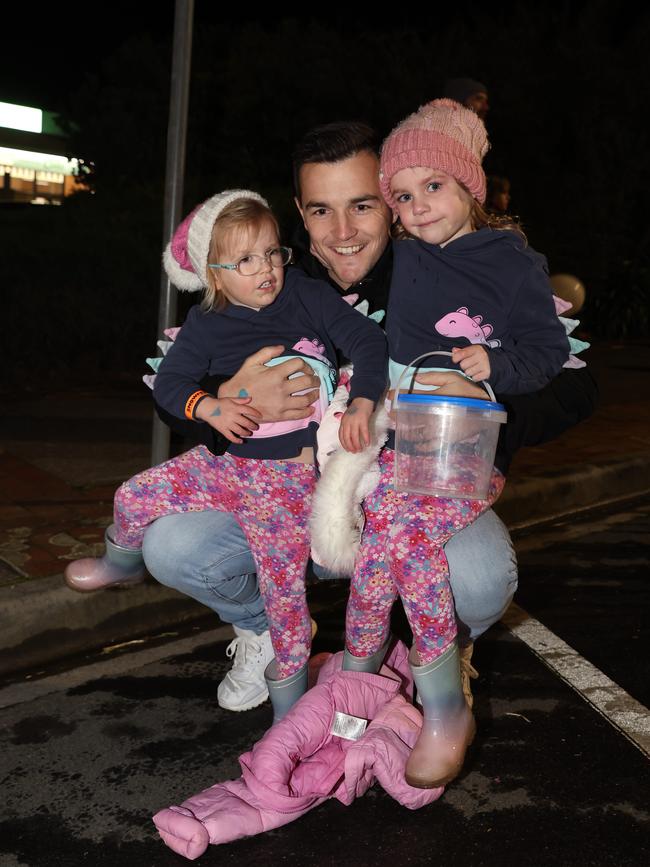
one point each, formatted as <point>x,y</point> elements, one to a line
<point>271,501</point>
<point>402,552</point>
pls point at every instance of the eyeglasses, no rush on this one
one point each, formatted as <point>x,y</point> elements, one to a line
<point>250,265</point>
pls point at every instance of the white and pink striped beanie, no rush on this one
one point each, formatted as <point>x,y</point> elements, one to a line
<point>185,258</point>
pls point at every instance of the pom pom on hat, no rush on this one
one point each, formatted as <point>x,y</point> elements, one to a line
<point>185,258</point>
<point>441,135</point>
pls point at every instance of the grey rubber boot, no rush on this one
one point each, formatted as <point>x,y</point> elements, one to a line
<point>285,692</point>
<point>448,727</point>
<point>118,566</point>
<point>369,664</point>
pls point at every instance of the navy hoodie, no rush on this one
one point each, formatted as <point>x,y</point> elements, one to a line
<point>486,287</point>
<point>220,341</point>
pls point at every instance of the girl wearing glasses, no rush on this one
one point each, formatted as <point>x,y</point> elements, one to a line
<point>229,247</point>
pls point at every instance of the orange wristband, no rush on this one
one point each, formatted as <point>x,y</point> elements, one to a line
<point>192,402</point>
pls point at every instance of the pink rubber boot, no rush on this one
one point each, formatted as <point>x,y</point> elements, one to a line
<point>118,566</point>
<point>448,727</point>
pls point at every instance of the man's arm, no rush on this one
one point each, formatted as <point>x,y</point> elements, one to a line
<point>533,419</point>
<point>269,388</point>
<point>451,384</point>
<point>537,418</point>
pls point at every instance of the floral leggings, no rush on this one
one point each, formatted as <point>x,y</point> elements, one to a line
<point>271,501</point>
<point>402,552</point>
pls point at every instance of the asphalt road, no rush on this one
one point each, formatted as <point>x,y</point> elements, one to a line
<point>557,774</point>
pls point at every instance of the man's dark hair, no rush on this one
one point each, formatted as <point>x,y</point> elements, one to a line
<point>332,143</point>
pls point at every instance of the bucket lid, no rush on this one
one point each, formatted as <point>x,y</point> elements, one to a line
<point>469,402</point>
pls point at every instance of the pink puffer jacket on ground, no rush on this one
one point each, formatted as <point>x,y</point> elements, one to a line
<point>298,763</point>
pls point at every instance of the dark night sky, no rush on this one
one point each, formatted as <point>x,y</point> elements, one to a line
<point>43,61</point>
<point>39,65</point>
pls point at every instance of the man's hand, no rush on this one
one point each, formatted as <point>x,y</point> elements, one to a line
<point>270,388</point>
<point>231,416</point>
<point>474,361</point>
<point>451,384</point>
<point>354,432</point>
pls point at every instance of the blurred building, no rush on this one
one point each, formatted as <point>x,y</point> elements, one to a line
<point>35,161</point>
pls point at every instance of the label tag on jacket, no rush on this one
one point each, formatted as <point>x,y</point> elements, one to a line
<point>349,727</point>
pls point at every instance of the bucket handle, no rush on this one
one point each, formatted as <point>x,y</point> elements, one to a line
<point>486,385</point>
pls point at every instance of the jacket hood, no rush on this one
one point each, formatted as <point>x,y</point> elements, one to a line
<point>476,242</point>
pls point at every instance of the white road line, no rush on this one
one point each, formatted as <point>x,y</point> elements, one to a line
<point>623,712</point>
<point>626,714</point>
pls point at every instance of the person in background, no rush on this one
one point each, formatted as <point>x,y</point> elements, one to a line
<point>470,93</point>
<point>497,198</point>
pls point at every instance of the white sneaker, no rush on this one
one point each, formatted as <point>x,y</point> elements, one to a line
<point>244,687</point>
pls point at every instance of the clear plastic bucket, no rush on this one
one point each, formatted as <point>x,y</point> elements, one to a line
<point>445,446</point>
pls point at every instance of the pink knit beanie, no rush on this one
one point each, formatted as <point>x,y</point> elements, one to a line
<point>186,256</point>
<point>441,135</point>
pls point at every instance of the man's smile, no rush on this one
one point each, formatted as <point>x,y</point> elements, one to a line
<point>349,251</point>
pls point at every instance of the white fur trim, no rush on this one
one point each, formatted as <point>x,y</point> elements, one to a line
<point>327,436</point>
<point>198,240</point>
<point>186,281</point>
<point>337,517</point>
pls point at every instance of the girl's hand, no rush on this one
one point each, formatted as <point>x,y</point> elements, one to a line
<point>474,361</point>
<point>354,432</point>
<point>231,416</point>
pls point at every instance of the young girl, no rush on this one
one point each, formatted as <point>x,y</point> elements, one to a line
<point>482,294</point>
<point>229,246</point>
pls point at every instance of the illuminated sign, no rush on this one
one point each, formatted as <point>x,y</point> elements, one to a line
<point>37,162</point>
<point>21,117</point>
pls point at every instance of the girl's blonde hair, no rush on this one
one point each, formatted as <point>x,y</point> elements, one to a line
<point>481,218</point>
<point>243,217</point>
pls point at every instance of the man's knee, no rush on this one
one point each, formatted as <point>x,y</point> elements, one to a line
<point>196,547</point>
<point>482,570</point>
<point>165,546</point>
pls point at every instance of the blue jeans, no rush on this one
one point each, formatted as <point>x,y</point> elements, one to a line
<point>205,555</point>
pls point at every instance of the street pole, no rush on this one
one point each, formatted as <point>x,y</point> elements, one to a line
<point>174,175</point>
